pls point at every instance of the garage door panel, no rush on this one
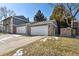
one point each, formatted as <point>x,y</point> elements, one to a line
<point>21,30</point>
<point>39,30</point>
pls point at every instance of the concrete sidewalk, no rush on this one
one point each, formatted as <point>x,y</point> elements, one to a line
<point>16,42</point>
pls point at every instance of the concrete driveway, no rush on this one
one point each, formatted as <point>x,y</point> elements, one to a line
<point>9,42</point>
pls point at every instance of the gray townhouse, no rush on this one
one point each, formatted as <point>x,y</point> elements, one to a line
<point>21,25</point>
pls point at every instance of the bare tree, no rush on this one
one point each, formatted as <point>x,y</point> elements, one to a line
<point>11,13</point>
<point>4,12</point>
<point>73,8</point>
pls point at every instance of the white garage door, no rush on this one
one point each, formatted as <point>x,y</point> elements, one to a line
<point>39,30</point>
<point>21,30</point>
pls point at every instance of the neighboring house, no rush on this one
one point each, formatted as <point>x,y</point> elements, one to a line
<point>75,26</point>
<point>12,22</point>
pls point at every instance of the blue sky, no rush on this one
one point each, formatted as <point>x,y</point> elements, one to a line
<point>29,9</point>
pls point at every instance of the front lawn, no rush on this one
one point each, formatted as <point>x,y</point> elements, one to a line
<point>1,33</point>
<point>51,47</point>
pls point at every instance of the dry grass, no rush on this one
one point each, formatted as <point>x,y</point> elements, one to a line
<point>63,46</point>
<point>1,33</point>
